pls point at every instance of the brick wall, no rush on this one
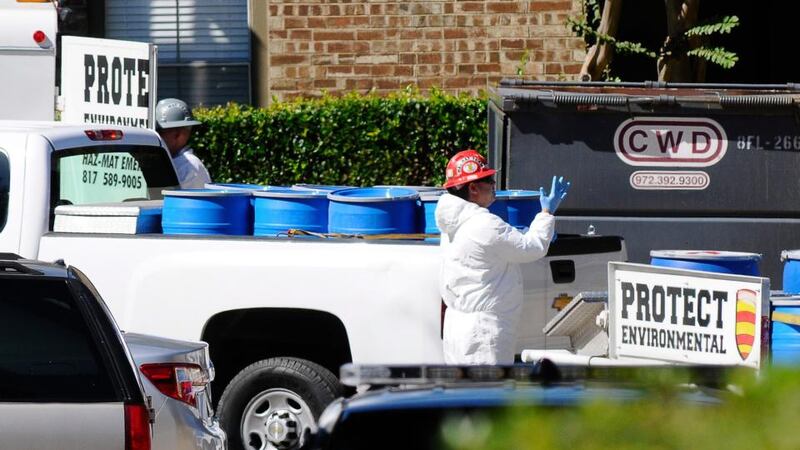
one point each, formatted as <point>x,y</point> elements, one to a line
<point>343,45</point>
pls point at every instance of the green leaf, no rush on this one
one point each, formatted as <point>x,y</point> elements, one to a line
<point>716,55</point>
<point>635,48</point>
<point>723,26</point>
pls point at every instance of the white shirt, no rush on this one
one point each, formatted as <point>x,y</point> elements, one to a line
<point>192,174</point>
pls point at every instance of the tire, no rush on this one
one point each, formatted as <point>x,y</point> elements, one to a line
<point>291,391</point>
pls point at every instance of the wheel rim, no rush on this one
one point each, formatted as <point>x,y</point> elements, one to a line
<point>276,419</point>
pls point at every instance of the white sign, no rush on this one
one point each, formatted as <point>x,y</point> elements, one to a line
<point>685,316</point>
<point>107,81</point>
<point>670,142</point>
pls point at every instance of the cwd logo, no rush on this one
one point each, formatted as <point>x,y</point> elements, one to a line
<point>670,142</point>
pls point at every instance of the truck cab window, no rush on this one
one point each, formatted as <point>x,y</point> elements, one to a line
<point>5,174</point>
<point>110,174</point>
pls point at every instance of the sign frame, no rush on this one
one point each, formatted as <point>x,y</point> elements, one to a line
<point>681,277</point>
<point>75,79</point>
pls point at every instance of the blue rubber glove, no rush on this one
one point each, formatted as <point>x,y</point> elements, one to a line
<point>557,193</point>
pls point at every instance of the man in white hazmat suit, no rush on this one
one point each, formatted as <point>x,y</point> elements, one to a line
<point>481,281</point>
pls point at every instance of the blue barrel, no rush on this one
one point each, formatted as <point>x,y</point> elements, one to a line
<point>373,211</point>
<point>785,337</point>
<point>205,211</point>
<point>426,207</point>
<point>738,263</point>
<point>320,187</point>
<point>791,271</point>
<point>428,201</point>
<point>241,187</point>
<point>522,207</point>
<point>516,207</point>
<point>500,205</point>
<point>279,209</point>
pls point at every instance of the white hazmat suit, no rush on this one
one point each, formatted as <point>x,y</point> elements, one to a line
<point>481,281</point>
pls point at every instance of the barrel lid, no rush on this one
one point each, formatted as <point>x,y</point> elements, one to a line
<point>428,196</point>
<point>371,195</point>
<point>200,193</point>
<point>790,254</point>
<point>710,255</point>
<point>419,189</point>
<point>778,298</point>
<point>320,187</point>
<point>516,193</point>
<point>237,186</point>
<point>282,192</point>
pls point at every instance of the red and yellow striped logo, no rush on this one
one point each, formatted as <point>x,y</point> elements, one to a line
<point>745,321</point>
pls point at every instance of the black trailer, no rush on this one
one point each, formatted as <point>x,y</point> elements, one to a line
<point>666,166</point>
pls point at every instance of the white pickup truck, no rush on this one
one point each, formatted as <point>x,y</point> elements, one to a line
<point>281,315</point>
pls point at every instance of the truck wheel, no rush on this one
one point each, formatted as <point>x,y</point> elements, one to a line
<point>273,403</point>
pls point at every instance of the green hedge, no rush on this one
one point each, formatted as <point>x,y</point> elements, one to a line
<point>359,140</point>
<point>756,411</point>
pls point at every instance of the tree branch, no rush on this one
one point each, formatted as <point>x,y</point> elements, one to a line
<point>599,55</point>
<point>675,65</point>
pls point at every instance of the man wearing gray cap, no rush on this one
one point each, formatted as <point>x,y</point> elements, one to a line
<point>174,124</point>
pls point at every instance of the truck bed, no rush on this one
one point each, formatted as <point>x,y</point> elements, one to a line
<point>384,292</point>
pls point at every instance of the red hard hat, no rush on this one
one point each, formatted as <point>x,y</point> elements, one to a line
<point>466,166</point>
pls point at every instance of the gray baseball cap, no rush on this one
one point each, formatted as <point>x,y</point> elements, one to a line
<point>173,113</point>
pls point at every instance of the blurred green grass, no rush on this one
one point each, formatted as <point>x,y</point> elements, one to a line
<point>758,411</point>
